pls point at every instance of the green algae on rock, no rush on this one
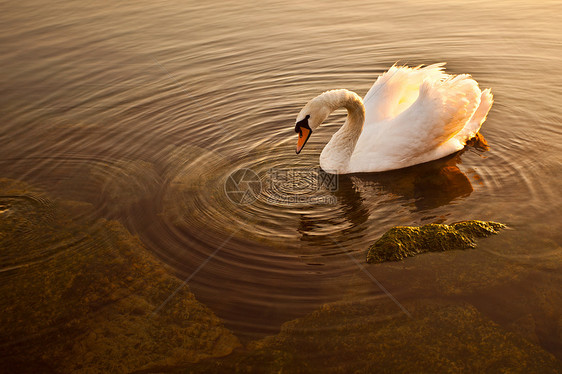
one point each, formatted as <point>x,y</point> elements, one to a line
<point>405,241</point>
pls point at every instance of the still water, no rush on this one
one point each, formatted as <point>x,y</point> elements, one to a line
<point>145,110</point>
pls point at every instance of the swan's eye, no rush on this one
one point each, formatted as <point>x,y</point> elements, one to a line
<point>302,123</point>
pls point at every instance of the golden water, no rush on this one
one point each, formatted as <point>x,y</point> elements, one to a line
<point>144,109</point>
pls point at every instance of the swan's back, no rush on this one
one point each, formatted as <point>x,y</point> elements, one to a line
<point>397,89</point>
<point>416,115</point>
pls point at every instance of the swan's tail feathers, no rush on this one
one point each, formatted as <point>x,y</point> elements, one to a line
<point>486,101</point>
<point>473,125</point>
<point>460,98</point>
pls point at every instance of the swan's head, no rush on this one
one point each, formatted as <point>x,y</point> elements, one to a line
<point>310,118</point>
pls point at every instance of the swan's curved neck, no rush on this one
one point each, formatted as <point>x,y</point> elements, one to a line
<point>336,155</point>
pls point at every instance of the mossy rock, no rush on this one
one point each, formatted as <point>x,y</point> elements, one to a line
<point>404,241</point>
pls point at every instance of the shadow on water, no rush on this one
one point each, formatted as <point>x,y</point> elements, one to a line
<point>422,188</point>
<point>430,185</point>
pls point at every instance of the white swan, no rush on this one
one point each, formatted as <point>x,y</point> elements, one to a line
<point>409,116</point>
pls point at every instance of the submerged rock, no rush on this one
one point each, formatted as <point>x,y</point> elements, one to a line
<point>376,337</point>
<point>92,291</point>
<point>404,241</point>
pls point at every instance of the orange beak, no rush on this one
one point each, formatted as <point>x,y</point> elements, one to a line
<point>304,134</point>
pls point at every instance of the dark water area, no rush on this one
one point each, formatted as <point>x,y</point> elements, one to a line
<point>144,110</point>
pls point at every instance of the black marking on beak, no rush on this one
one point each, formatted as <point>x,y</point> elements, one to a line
<point>303,138</point>
<point>302,123</point>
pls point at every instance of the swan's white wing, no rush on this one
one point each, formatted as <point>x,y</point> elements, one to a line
<point>423,132</point>
<point>442,110</point>
<point>397,89</point>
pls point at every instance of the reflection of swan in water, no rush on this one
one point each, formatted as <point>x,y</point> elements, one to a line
<point>409,116</point>
<point>430,185</point>
<point>353,214</point>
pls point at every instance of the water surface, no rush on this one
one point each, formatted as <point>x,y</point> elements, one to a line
<point>145,109</point>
